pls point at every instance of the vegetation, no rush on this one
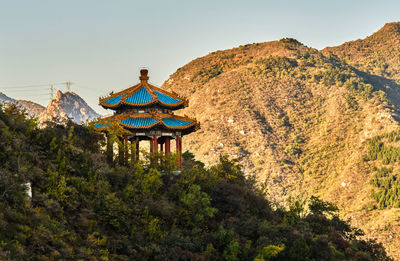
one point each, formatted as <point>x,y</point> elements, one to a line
<point>386,153</point>
<point>83,209</point>
<point>386,182</point>
<point>290,41</point>
<point>388,186</point>
<point>212,72</point>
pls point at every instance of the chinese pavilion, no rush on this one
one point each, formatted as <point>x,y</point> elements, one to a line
<point>145,112</point>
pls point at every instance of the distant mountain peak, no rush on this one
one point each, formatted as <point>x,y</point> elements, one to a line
<point>59,95</point>
<point>31,108</point>
<point>68,105</point>
<point>5,99</point>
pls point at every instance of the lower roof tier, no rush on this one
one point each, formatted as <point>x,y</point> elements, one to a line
<point>136,122</point>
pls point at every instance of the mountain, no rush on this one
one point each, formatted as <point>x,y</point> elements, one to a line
<point>5,98</point>
<point>33,109</point>
<point>304,122</point>
<point>67,105</point>
<point>378,54</point>
<point>63,106</point>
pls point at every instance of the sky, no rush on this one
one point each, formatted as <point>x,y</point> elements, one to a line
<point>100,45</point>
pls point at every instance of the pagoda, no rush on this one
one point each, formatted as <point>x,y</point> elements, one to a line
<point>145,113</point>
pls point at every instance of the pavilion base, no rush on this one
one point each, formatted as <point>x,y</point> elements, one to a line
<point>129,147</point>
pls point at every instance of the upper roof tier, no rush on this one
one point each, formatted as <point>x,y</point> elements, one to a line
<point>143,95</point>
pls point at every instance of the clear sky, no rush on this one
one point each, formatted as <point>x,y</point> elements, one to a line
<point>100,45</point>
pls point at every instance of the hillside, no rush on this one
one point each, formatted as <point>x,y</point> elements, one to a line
<point>84,209</point>
<point>301,121</point>
<point>33,109</point>
<point>378,54</point>
<point>5,99</point>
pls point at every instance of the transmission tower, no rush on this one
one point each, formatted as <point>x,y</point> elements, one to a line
<point>51,92</point>
<point>68,84</point>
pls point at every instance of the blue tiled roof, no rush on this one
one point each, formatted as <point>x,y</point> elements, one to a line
<point>140,97</point>
<point>101,125</point>
<point>114,100</point>
<point>139,122</point>
<point>175,122</point>
<point>165,98</point>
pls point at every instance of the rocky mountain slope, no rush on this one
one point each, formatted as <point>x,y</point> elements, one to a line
<point>68,105</point>
<point>304,122</point>
<point>33,109</point>
<point>4,98</point>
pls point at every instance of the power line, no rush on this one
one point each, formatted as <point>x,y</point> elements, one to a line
<point>34,88</point>
<point>88,88</point>
<point>35,85</point>
<point>37,98</point>
<point>37,92</point>
<point>21,90</point>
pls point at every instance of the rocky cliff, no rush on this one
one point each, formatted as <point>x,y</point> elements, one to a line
<point>68,105</point>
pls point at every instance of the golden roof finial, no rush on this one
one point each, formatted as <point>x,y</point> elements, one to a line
<point>143,75</point>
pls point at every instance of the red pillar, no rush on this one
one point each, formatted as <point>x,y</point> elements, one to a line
<point>137,149</point>
<point>126,152</point>
<point>121,151</point>
<point>179,150</point>
<point>162,147</point>
<point>133,153</point>
<point>110,150</point>
<point>151,146</point>
<point>167,146</point>
<point>155,144</point>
